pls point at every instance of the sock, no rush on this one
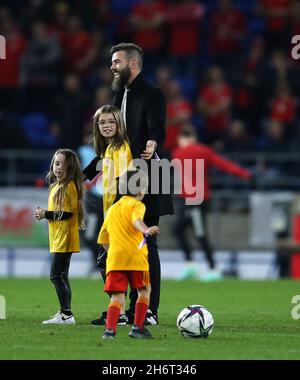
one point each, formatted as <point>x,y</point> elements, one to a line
<point>141,308</point>
<point>67,312</point>
<point>113,313</point>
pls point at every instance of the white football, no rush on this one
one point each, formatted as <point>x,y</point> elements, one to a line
<point>195,321</point>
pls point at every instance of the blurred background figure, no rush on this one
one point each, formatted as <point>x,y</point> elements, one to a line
<point>227,33</point>
<point>186,215</point>
<point>277,15</point>
<point>40,68</point>
<point>69,111</point>
<point>183,19</point>
<point>214,102</point>
<point>10,67</point>
<point>179,112</point>
<point>148,23</point>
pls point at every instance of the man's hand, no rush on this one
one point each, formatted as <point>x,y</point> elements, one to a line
<point>149,151</point>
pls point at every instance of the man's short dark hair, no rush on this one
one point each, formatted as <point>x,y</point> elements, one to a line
<point>131,50</point>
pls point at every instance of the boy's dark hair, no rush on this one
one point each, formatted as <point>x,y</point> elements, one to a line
<point>133,182</point>
<point>131,50</point>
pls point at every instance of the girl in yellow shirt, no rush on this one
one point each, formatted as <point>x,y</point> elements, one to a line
<point>65,216</point>
<point>113,159</point>
<point>111,144</point>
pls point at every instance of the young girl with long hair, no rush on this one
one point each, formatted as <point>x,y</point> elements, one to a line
<point>113,159</point>
<point>65,215</point>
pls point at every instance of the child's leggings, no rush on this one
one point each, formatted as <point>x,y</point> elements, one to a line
<point>59,276</point>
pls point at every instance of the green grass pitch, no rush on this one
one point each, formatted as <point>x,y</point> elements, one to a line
<point>252,321</point>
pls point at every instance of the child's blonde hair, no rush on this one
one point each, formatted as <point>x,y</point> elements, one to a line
<point>71,172</point>
<point>99,141</point>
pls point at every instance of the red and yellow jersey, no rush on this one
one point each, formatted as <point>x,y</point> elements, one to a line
<point>118,231</point>
<point>64,234</point>
<point>115,163</point>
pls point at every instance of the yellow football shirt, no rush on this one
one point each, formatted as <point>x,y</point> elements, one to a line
<point>64,234</point>
<point>115,163</point>
<point>123,239</point>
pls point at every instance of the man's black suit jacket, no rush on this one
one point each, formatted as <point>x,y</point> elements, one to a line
<point>145,120</point>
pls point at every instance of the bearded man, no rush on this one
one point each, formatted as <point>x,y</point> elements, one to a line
<point>143,108</point>
<point>144,111</point>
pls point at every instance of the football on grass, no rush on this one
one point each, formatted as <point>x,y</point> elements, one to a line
<point>195,321</point>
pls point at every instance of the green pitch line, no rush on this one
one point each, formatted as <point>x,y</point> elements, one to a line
<point>252,321</point>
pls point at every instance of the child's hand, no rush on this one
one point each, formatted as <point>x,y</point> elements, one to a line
<point>39,213</point>
<point>153,230</point>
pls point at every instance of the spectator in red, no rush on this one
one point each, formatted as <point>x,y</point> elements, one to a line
<point>147,20</point>
<point>277,14</point>
<point>195,214</point>
<point>283,105</point>
<point>214,102</point>
<point>227,29</point>
<point>179,111</point>
<point>10,66</point>
<point>77,47</point>
<point>183,18</point>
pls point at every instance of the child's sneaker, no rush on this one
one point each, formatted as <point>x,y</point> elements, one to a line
<point>136,332</point>
<point>60,319</point>
<point>109,334</point>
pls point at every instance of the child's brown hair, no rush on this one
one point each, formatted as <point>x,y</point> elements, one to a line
<point>71,172</point>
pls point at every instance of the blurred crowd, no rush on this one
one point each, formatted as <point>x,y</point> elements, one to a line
<point>225,67</point>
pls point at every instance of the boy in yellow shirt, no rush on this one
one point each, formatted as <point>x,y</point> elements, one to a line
<point>123,236</point>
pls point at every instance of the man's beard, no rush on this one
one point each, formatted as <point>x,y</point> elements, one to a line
<point>121,80</point>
